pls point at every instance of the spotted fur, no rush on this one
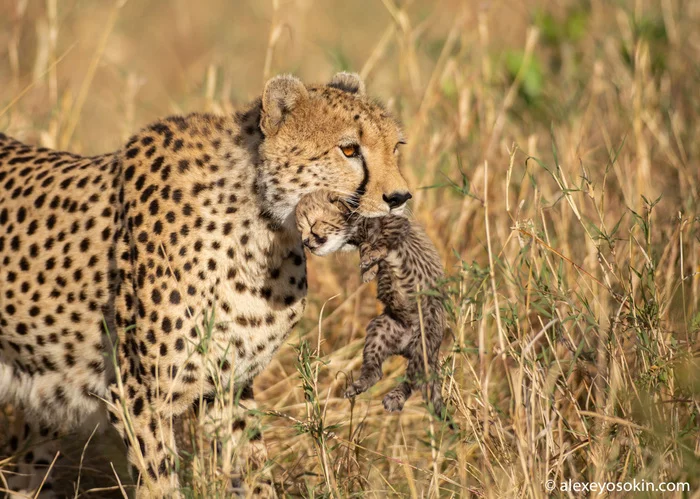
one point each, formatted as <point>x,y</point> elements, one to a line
<point>171,271</point>
<point>400,255</point>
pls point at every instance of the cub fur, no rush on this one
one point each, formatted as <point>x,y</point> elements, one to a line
<point>400,255</point>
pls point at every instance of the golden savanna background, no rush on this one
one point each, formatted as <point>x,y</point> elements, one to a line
<point>553,153</point>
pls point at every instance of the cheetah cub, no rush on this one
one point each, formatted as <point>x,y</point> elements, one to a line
<point>400,255</point>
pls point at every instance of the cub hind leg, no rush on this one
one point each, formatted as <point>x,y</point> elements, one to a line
<point>428,381</point>
<point>384,338</point>
<point>396,398</point>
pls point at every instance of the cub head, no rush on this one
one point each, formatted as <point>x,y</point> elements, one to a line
<point>326,224</point>
<point>329,137</point>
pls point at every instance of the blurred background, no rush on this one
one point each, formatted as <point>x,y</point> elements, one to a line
<point>553,154</point>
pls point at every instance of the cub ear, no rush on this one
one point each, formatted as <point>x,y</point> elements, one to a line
<point>281,95</point>
<point>348,82</point>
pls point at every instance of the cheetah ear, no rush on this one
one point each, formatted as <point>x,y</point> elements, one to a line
<point>348,82</point>
<point>281,95</point>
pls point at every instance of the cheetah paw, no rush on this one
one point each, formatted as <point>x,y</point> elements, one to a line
<point>263,488</point>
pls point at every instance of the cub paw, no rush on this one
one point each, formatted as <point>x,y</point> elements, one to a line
<point>394,401</point>
<point>355,389</point>
<point>370,273</point>
<point>369,257</point>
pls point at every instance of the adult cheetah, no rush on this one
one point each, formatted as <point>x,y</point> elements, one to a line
<point>137,284</point>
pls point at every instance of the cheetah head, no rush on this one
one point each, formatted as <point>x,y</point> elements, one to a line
<point>330,137</point>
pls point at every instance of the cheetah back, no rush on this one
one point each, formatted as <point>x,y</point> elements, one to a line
<point>58,268</point>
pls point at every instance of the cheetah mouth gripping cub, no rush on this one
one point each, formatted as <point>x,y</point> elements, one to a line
<point>397,252</point>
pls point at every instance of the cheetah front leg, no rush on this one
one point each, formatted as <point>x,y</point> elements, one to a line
<point>384,338</point>
<point>150,441</point>
<point>231,428</point>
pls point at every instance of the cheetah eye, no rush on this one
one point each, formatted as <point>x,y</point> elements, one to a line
<point>351,150</point>
<point>399,143</point>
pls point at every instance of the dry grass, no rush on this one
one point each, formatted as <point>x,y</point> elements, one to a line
<point>553,153</point>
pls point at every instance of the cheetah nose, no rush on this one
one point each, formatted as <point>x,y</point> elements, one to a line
<point>396,199</point>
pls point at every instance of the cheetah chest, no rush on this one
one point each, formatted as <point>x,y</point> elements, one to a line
<point>220,301</point>
<point>261,299</point>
